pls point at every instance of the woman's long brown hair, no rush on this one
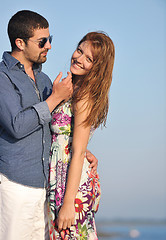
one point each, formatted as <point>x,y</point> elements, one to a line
<point>95,85</point>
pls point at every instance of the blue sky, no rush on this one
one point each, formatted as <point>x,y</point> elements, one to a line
<point>132,149</point>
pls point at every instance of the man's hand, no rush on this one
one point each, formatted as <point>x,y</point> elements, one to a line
<point>60,91</point>
<point>93,161</point>
<point>64,89</point>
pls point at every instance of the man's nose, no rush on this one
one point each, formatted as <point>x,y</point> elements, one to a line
<point>48,44</point>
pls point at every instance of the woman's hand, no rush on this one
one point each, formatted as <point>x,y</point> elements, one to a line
<point>66,216</point>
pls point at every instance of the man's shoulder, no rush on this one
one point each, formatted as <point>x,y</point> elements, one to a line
<point>3,69</point>
<point>2,66</point>
<point>8,62</point>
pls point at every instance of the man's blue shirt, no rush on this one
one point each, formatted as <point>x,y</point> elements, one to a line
<point>24,124</point>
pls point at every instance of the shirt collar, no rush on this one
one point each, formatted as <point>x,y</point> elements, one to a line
<point>11,62</point>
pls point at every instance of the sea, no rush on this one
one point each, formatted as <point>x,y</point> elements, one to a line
<point>128,230</point>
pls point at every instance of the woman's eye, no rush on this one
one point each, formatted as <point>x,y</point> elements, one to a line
<point>79,50</point>
<point>89,59</point>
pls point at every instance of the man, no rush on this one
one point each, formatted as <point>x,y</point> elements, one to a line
<point>27,98</point>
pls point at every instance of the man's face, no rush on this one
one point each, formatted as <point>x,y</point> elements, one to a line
<point>32,51</point>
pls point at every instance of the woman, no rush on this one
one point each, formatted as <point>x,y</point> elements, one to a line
<point>74,190</point>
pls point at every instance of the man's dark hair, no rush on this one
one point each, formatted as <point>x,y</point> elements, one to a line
<point>23,24</point>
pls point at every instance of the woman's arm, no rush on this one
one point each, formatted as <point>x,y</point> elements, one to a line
<point>66,216</point>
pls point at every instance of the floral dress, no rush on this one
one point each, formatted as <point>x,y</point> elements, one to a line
<point>88,195</point>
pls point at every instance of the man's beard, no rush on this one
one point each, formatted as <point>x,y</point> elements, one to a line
<point>41,59</point>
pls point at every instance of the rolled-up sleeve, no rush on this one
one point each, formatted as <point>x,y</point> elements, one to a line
<point>43,112</point>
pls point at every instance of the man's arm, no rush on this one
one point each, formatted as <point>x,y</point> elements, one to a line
<point>15,119</point>
<point>20,122</point>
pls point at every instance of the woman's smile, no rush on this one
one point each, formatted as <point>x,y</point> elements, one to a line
<point>82,59</point>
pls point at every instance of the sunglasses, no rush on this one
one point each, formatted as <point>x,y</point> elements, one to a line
<point>42,42</point>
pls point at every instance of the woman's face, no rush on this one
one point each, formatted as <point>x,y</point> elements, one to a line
<point>82,59</point>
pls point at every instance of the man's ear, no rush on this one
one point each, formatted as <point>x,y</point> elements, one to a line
<point>20,43</point>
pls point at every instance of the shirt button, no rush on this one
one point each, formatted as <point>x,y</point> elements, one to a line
<point>43,158</point>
